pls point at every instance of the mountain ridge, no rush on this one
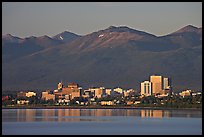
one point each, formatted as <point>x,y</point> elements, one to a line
<point>115,56</point>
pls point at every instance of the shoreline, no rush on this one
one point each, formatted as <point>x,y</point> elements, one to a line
<point>96,107</point>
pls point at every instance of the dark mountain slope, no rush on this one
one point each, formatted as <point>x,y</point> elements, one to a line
<point>116,56</point>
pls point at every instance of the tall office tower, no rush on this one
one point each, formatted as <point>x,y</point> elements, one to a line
<point>166,83</point>
<point>146,88</point>
<point>156,84</point>
<point>167,87</point>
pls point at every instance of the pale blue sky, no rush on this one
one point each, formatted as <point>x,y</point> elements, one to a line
<point>25,19</point>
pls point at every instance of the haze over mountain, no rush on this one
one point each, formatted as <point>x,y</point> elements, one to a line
<point>116,56</point>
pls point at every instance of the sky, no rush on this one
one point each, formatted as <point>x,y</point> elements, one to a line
<point>24,19</point>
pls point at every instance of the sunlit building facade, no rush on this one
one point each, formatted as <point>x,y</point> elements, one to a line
<point>156,84</point>
<point>146,88</point>
<point>30,94</point>
<point>97,92</point>
<point>47,96</point>
<point>59,86</point>
<point>73,90</point>
<point>166,83</point>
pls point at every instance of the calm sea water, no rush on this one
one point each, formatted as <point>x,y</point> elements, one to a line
<point>101,122</point>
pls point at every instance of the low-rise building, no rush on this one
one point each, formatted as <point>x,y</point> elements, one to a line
<point>30,94</point>
<point>196,93</point>
<point>97,92</point>
<point>72,90</point>
<point>47,96</point>
<point>63,101</point>
<point>129,102</point>
<point>22,102</point>
<point>137,102</point>
<point>21,94</point>
<point>185,93</point>
<point>118,90</point>
<point>108,92</point>
<point>128,92</point>
<point>87,94</point>
<point>108,103</point>
<point>73,85</point>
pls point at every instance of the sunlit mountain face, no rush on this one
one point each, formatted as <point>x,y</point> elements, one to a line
<point>116,56</point>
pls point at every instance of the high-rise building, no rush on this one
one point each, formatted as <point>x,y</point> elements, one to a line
<point>146,88</point>
<point>166,83</point>
<point>167,87</point>
<point>156,84</point>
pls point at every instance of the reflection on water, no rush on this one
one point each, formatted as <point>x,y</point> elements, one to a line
<point>74,115</point>
<point>155,113</point>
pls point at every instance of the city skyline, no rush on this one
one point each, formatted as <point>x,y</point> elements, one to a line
<point>37,19</point>
<point>157,85</point>
<point>101,68</point>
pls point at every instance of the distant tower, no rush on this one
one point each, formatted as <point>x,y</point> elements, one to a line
<point>166,83</point>
<point>156,84</point>
<point>60,86</point>
<point>167,87</point>
<point>146,88</point>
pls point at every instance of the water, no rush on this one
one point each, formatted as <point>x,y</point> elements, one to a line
<point>101,122</point>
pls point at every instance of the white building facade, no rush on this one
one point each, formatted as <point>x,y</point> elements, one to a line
<point>146,88</point>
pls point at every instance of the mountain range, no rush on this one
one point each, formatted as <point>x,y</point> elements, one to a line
<point>113,57</point>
